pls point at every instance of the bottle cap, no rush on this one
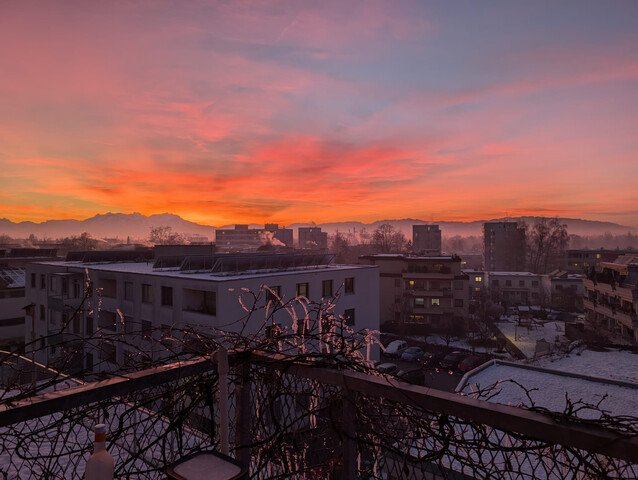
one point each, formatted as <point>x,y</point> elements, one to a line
<point>100,432</point>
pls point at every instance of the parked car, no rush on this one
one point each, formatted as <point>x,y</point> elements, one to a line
<point>451,360</point>
<point>396,348</point>
<point>472,362</point>
<point>412,354</point>
<point>390,368</point>
<point>432,359</point>
<point>415,376</point>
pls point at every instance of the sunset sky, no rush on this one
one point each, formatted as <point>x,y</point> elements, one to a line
<point>299,111</point>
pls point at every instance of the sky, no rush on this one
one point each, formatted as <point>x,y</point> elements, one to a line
<point>305,111</point>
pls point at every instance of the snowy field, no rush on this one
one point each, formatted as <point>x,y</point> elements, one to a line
<point>525,337</point>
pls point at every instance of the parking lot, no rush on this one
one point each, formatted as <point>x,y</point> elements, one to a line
<point>434,377</point>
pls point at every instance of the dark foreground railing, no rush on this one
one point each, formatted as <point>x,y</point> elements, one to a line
<point>295,418</point>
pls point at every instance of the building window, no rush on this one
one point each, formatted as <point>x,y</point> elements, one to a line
<point>397,282</point>
<point>349,285</point>
<point>107,320</point>
<point>458,284</point>
<point>302,290</point>
<point>419,301</point>
<point>43,313</point>
<point>521,283</point>
<point>348,316</point>
<point>167,296</point>
<point>436,302</point>
<point>326,288</point>
<point>478,279</point>
<point>397,299</point>
<point>508,283</point>
<point>128,290</point>
<point>147,293</point>
<point>89,326</point>
<point>201,301</point>
<point>33,280</point>
<point>458,302</point>
<point>147,328</point>
<point>534,283</point>
<point>43,282</point>
<point>495,283</point>
<point>273,294</point>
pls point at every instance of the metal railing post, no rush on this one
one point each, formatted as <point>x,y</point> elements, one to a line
<point>243,417</point>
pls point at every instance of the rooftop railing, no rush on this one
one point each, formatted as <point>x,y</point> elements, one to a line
<point>303,416</point>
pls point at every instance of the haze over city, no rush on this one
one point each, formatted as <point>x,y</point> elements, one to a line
<point>244,112</point>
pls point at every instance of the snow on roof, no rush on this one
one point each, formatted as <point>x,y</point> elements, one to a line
<point>13,277</point>
<point>616,365</point>
<point>549,389</point>
<point>524,335</point>
<point>515,274</point>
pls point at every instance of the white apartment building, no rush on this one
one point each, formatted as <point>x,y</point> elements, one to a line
<point>202,292</point>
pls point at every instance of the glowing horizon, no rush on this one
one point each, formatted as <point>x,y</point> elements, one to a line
<point>227,113</point>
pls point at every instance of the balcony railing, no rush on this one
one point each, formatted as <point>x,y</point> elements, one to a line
<point>304,417</point>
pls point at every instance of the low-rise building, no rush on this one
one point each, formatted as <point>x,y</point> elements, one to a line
<point>518,288</point>
<point>431,292</point>
<point>611,297</point>
<point>201,292</point>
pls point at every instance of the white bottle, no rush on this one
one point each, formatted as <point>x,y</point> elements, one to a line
<point>100,465</point>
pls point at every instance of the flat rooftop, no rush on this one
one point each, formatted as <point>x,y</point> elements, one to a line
<point>144,268</point>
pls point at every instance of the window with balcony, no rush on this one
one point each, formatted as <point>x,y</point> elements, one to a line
<point>107,320</point>
<point>147,293</point>
<point>200,301</point>
<point>167,296</point>
<point>302,290</point>
<point>326,288</point>
<point>349,285</point>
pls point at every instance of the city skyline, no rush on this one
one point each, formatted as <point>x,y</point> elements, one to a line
<point>290,112</point>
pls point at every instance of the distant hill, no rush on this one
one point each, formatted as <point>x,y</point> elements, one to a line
<point>109,225</point>
<point>138,226</point>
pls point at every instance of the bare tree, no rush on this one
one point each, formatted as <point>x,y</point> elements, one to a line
<point>388,240</point>
<point>164,235</point>
<point>547,242</point>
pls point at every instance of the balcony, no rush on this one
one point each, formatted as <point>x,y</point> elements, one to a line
<point>299,417</point>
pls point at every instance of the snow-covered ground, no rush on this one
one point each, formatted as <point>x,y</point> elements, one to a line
<point>549,390</point>
<point>615,365</point>
<point>525,335</point>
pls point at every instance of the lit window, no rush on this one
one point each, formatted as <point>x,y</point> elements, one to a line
<point>436,302</point>
<point>302,290</point>
<point>478,279</point>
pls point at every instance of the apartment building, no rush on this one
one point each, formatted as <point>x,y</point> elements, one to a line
<point>426,240</point>
<point>201,292</point>
<point>518,288</point>
<point>582,260</point>
<point>611,297</point>
<point>13,304</point>
<point>313,238</point>
<point>566,290</point>
<point>244,239</point>
<point>503,247</point>
<point>431,292</point>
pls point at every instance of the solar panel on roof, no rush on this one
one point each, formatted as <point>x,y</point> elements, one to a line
<point>251,262</point>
